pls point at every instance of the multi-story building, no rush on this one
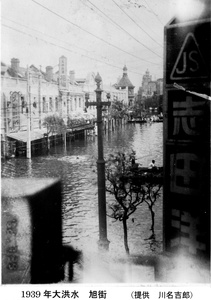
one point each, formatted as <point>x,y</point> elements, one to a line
<point>160,86</point>
<point>32,91</point>
<point>29,95</point>
<point>150,87</point>
<point>145,84</point>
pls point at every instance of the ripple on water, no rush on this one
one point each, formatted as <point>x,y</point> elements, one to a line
<point>76,167</point>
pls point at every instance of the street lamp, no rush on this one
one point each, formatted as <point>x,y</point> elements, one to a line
<point>103,241</point>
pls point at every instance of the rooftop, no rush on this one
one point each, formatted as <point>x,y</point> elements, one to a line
<point>125,81</point>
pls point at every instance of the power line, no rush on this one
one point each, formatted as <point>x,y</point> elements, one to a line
<point>72,45</point>
<point>129,16</point>
<point>147,3</point>
<point>142,22</point>
<point>56,40</point>
<point>99,38</point>
<point>127,31</point>
<point>111,65</point>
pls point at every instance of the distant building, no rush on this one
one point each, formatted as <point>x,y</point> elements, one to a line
<point>125,84</point>
<point>160,86</point>
<point>139,94</point>
<point>150,87</point>
<point>145,84</point>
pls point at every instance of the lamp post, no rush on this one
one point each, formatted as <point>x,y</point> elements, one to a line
<point>29,121</point>
<point>103,241</point>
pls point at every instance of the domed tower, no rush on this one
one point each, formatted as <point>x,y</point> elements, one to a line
<point>125,83</point>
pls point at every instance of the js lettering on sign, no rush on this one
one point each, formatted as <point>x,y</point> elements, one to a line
<point>190,62</point>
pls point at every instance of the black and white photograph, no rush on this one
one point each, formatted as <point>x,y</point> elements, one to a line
<point>105,149</point>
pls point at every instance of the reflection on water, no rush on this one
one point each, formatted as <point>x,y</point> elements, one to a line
<point>76,166</point>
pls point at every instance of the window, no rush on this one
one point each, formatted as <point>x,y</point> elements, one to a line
<point>51,104</point>
<point>34,104</point>
<point>23,105</point>
<point>44,105</point>
<point>57,104</point>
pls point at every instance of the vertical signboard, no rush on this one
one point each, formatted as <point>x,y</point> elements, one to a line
<point>63,72</point>
<point>187,137</point>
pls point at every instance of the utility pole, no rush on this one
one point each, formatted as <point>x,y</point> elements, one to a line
<point>103,241</point>
<point>5,149</point>
<point>28,151</point>
<point>39,97</point>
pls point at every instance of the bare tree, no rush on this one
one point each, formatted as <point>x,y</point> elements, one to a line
<point>131,186</point>
<point>123,184</point>
<point>151,190</point>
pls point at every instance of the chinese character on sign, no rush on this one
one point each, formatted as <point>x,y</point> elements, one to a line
<point>12,248</point>
<point>190,227</point>
<point>185,173</point>
<point>186,114</point>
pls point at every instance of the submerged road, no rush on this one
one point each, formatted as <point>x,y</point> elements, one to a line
<point>75,165</point>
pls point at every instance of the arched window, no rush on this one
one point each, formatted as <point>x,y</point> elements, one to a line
<point>23,105</point>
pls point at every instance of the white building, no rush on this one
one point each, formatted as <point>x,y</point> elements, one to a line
<point>31,94</point>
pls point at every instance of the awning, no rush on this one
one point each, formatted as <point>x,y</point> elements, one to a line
<point>22,136</point>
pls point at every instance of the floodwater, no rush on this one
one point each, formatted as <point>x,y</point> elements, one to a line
<point>75,165</point>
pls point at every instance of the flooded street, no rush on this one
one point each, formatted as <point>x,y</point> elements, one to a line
<point>76,167</point>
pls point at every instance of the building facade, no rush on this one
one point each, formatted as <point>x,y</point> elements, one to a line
<point>29,95</point>
<point>32,93</point>
<point>150,87</point>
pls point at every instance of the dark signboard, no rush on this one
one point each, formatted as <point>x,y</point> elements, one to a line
<point>187,219</point>
<point>187,138</point>
<point>187,52</point>
<point>188,117</point>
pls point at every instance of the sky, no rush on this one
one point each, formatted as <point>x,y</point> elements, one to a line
<point>95,35</point>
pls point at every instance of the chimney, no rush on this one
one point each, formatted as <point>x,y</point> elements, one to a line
<point>15,64</point>
<point>72,76</point>
<point>49,73</point>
